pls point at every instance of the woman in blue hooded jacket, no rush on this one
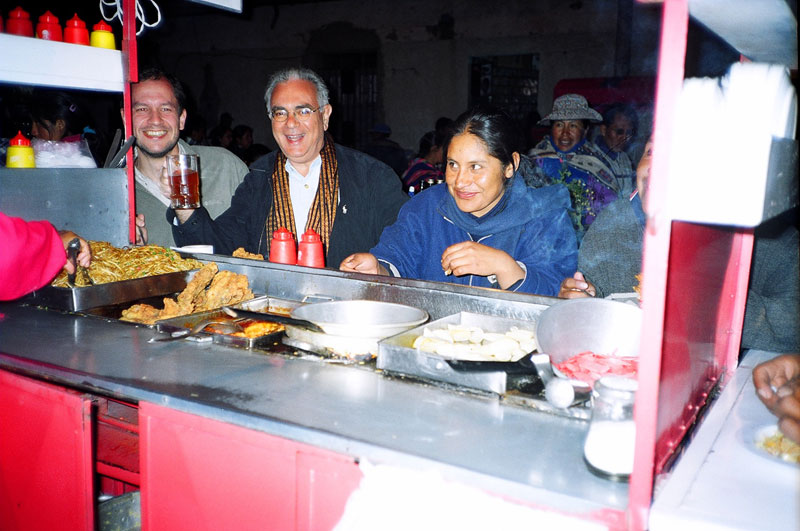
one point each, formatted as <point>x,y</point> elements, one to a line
<point>486,227</point>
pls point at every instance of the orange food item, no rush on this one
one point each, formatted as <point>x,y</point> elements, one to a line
<point>258,329</point>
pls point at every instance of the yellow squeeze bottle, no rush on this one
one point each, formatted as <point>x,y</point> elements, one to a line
<point>20,153</point>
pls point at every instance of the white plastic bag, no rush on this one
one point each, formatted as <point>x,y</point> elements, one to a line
<point>55,154</point>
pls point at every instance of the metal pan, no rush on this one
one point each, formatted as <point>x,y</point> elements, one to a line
<point>361,318</point>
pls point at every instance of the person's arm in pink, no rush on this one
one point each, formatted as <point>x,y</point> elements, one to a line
<point>32,255</point>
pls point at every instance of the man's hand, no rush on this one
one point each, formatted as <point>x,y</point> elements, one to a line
<point>141,230</point>
<point>777,383</point>
<point>84,255</point>
<point>576,287</point>
<point>363,263</point>
<point>181,213</point>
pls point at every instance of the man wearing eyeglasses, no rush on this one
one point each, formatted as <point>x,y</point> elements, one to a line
<point>345,196</point>
<point>616,132</point>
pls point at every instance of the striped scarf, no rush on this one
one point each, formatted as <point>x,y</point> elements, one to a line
<point>323,209</point>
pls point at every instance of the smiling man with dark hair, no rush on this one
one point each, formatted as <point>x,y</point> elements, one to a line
<point>158,116</point>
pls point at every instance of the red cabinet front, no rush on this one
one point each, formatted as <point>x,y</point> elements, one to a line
<point>46,473</point>
<point>198,473</point>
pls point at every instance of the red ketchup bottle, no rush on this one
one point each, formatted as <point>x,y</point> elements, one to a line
<point>282,248</point>
<point>49,28</point>
<point>75,31</point>
<point>310,252</point>
<point>19,23</point>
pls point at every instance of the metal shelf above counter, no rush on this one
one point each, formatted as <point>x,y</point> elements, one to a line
<point>31,61</point>
<point>761,30</point>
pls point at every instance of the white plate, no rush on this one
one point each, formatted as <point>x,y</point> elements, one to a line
<point>759,435</point>
<point>195,249</point>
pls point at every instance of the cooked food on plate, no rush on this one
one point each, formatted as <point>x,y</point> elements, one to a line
<point>209,289</point>
<point>473,343</point>
<point>780,446</point>
<point>112,264</point>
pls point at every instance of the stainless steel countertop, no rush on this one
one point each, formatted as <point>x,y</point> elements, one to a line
<point>509,450</point>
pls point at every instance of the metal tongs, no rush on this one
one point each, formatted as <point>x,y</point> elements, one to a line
<point>227,327</point>
<point>73,248</point>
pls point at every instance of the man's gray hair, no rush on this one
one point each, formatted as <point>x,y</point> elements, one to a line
<point>289,74</point>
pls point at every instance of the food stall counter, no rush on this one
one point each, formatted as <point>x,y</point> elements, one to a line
<point>723,480</point>
<point>523,455</point>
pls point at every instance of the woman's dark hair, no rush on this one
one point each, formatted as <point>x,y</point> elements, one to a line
<point>50,106</point>
<point>428,141</point>
<point>47,107</point>
<point>495,128</point>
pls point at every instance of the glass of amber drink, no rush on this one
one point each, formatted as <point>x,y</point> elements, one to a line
<point>184,180</point>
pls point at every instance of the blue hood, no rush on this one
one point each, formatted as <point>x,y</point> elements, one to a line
<point>518,197</point>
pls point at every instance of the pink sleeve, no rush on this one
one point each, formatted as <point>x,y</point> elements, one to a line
<point>31,254</point>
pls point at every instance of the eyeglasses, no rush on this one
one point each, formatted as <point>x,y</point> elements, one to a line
<point>301,114</point>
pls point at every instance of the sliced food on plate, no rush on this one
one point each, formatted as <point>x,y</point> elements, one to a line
<point>589,366</point>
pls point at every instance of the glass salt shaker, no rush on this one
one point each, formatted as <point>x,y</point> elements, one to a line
<point>609,447</point>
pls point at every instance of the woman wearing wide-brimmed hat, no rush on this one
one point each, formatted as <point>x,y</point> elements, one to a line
<point>566,156</point>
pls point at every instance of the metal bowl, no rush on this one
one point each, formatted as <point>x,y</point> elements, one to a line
<point>360,318</point>
<point>601,326</point>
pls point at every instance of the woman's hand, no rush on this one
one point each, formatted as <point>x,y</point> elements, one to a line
<point>576,287</point>
<point>471,258</point>
<point>777,384</point>
<point>84,255</point>
<point>363,263</point>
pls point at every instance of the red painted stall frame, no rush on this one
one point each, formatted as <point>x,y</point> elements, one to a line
<point>694,287</point>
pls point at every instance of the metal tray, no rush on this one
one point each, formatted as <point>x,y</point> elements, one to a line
<point>76,299</point>
<point>396,354</point>
<point>167,326</point>
<point>265,303</point>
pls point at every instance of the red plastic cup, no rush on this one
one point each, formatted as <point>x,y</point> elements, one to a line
<point>310,252</point>
<point>75,31</point>
<point>282,248</point>
<point>49,28</point>
<point>19,23</point>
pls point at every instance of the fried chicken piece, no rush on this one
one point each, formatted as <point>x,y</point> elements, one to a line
<point>226,288</point>
<point>141,313</point>
<point>241,253</point>
<point>196,286</point>
<point>173,309</point>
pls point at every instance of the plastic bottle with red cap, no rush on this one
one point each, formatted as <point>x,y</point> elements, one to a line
<point>20,153</point>
<point>49,27</point>
<point>102,37</point>
<point>310,252</point>
<point>75,31</point>
<point>282,249</point>
<point>19,23</point>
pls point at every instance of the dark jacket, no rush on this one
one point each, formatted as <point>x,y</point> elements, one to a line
<point>530,224</point>
<point>370,195</point>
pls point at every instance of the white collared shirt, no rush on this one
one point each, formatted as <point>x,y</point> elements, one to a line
<point>302,190</point>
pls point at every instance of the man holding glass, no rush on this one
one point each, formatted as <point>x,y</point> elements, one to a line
<point>158,116</point>
<point>345,196</point>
